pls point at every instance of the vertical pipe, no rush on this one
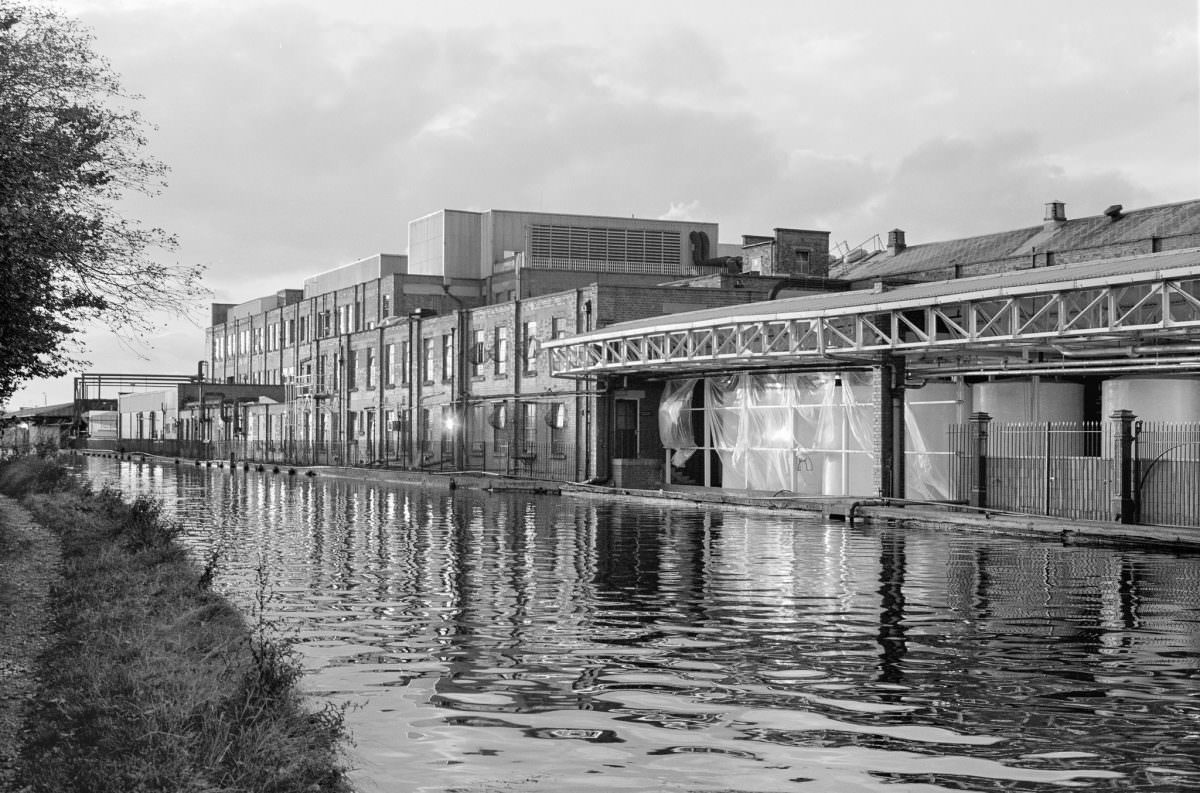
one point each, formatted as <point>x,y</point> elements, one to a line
<point>1046,469</point>
<point>410,412</point>
<point>417,376</point>
<point>517,346</point>
<point>380,383</point>
<point>462,372</point>
<point>899,441</point>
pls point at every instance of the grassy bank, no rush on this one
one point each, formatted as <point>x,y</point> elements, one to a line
<point>153,682</point>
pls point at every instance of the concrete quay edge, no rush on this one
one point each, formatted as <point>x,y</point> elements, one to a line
<point>879,511</point>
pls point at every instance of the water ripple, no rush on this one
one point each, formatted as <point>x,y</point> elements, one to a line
<point>522,642</point>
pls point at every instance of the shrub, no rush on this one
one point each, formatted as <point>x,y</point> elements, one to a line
<point>24,475</point>
<point>144,528</point>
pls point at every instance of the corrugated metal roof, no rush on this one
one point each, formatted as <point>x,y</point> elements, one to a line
<point>1144,267</point>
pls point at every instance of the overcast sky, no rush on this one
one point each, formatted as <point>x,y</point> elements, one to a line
<point>303,135</point>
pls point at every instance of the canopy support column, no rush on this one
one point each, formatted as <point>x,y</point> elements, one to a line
<point>888,475</point>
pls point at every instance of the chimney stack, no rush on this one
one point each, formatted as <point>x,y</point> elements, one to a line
<point>895,241</point>
<point>1056,212</point>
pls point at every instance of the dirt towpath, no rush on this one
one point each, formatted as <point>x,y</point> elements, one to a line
<point>29,565</point>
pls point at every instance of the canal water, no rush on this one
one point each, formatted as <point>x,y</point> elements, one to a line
<point>519,642</point>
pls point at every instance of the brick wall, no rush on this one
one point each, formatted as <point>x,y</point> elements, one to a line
<point>535,282</point>
<point>620,304</point>
<point>801,252</point>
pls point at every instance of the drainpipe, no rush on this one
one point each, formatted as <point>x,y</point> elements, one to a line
<point>518,369</point>
<point>415,405</point>
<point>344,393</point>
<point>380,381</point>
<point>408,375</point>
<point>588,403</point>
<point>462,388</point>
<point>200,413</point>
<point>899,440</point>
<point>318,388</point>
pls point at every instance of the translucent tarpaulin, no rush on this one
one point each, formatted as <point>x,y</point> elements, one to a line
<point>810,434</point>
<point>929,413</point>
<point>803,433</point>
<point>675,420</point>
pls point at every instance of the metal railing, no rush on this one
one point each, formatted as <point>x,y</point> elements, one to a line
<point>547,457</point>
<point>1074,469</point>
<point>1167,472</point>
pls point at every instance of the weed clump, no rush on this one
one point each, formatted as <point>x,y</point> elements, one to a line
<point>22,475</point>
<point>154,682</point>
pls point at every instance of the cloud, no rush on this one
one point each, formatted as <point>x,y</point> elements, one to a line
<point>304,135</point>
<point>685,210</point>
<point>956,187</point>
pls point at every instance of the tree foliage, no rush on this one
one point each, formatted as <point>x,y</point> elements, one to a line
<point>71,148</point>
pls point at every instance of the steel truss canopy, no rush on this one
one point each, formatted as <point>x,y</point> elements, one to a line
<point>1120,314</point>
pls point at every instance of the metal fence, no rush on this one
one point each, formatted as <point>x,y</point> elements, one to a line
<point>1167,472</point>
<point>272,452</point>
<point>539,459</point>
<point>1073,469</point>
<point>534,452</point>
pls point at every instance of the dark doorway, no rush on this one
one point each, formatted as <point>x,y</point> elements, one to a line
<point>625,423</point>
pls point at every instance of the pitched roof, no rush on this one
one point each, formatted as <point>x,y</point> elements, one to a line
<point>1097,231</point>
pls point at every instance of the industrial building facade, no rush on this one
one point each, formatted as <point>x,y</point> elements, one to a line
<point>436,360</point>
<point>577,347</point>
<point>1065,332</point>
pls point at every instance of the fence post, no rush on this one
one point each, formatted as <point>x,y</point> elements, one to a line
<point>978,435</point>
<point>1122,498</point>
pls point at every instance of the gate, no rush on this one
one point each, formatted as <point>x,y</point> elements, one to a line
<point>1167,472</point>
<point>1072,469</point>
<point>1059,468</point>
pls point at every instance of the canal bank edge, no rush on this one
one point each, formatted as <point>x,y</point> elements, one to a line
<point>894,512</point>
<point>148,679</point>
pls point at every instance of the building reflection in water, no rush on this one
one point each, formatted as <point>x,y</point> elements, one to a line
<point>523,604</point>
<point>891,616</point>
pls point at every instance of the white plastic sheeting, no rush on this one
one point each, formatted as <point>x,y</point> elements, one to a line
<point>809,434</point>
<point>929,413</point>
<point>803,433</point>
<point>675,420</point>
